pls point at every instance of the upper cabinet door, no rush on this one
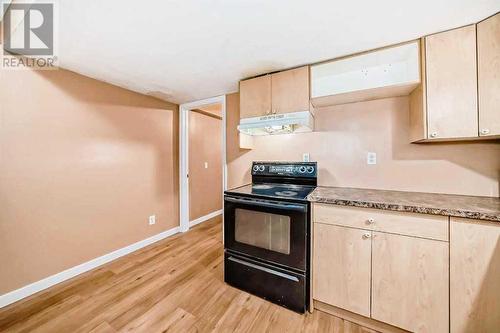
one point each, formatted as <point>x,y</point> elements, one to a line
<point>452,84</point>
<point>290,90</point>
<point>255,97</point>
<point>488,52</point>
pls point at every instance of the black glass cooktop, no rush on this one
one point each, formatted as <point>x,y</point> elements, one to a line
<point>278,191</point>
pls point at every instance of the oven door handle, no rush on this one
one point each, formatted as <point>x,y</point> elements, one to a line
<point>298,207</point>
<point>264,269</point>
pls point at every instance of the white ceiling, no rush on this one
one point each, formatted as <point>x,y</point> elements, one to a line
<point>183,50</point>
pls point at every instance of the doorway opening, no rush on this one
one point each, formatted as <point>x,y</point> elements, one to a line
<point>202,130</point>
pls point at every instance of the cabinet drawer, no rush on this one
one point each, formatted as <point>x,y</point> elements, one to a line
<point>410,224</point>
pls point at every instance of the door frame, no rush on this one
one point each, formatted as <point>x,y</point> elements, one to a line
<point>184,154</point>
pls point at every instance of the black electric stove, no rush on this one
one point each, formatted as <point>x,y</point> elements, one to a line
<point>267,233</point>
<point>276,191</point>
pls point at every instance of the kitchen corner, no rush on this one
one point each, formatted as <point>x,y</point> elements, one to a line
<point>406,259</point>
<point>405,220</point>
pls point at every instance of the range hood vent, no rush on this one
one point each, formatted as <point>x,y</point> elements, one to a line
<point>284,123</point>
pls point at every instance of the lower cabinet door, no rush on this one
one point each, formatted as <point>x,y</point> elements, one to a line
<point>341,267</point>
<point>474,276</point>
<point>410,282</point>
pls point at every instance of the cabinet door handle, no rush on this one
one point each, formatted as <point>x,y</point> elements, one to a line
<point>485,131</point>
<point>434,134</point>
<point>366,236</point>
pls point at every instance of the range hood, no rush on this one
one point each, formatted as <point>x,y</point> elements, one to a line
<point>281,123</point>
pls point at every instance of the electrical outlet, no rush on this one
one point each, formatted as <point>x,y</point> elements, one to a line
<point>371,158</point>
<point>206,165</point>
<point>305,157</point>
<point>152,219</point>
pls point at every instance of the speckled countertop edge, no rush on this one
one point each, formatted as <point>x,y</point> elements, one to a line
<point>411,208</point>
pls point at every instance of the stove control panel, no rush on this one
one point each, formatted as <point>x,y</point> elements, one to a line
<point>286,169</point>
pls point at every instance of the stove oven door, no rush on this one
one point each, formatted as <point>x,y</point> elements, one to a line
<point>274,231</point>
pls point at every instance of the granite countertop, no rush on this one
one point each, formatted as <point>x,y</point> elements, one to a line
<point>472,207</point>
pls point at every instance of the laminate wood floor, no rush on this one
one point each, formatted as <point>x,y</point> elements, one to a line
<point>175,285</point>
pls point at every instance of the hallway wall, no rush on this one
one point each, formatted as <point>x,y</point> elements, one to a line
<point>205,181</point>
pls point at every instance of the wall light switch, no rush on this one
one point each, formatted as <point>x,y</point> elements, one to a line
<point>152,219</point>
<point>305,157</point>
<point>371,158</point>
<point>206,165</point>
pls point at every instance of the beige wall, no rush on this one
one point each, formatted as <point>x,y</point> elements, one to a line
<point>82,166</point>
<point>345,133</point>
<point>205,145</point>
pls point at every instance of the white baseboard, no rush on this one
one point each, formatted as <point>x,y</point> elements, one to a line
<point>40,285</point>
<point>205,218</point>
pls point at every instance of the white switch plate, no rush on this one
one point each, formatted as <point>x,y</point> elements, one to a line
<point>305,157</point>
<point>152,219</point>
<point>371,158</point>
<point>206,165</point>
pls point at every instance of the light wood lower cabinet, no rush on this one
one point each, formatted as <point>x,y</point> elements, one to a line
<point>408,278</point>
<point>341,267</point>
<point>410,282</point>
<point>394,269</point>
<point>474,276</point>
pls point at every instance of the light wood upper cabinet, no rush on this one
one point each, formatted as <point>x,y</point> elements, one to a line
<point>341,267</point>
<point>290,90</point>
<point>444,106</point>
<point>255,97</point>
<point>452,84</point>
<point>474,276</point>
<point>488,52</point>
<point>459,94</point>
<point>281,92</point>
<point>410,282</point>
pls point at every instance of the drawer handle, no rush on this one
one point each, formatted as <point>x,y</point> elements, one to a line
<point>370,220</point>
